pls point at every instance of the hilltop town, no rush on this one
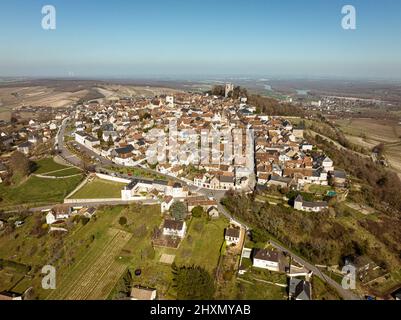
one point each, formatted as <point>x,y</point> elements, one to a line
<point>181,177</point>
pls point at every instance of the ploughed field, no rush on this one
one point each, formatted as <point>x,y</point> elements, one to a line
<point>371,132</point>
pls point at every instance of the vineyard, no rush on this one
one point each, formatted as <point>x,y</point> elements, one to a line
<point>95,275</point>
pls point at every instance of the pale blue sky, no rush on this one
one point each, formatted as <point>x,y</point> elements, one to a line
<point>201,37</point>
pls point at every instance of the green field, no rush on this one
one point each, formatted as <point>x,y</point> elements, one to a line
<point>46,165</point>
<point>99,189</point>
<point>196,249</point>
<point>38,191</point>
<point>64,173</point>
<point>254,286</point>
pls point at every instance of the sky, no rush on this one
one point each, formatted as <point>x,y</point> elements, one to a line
<point>184,38</point>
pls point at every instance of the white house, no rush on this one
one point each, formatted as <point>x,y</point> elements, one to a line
<point>307,147</point>
<point>50,218</point>
<point>232,236</point>
<point>140,293</point>
<point>58,213</point>
<point>80,137</point>
<point>213,212</point>
<point>307,206</point>
<point>328,165</point>
<point>267,259</point>
<point>174,228</point>
<point>176,190</point>
<point>53,126</point>
<point>166,203</point>
<point>33,138</point>
<point>91,141</point>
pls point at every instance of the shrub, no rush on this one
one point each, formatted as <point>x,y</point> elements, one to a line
<point>178,210</point>
<point>122,221</point>
<point>197,212</point>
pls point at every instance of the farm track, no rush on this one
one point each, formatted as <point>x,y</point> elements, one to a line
<point>100,273</point>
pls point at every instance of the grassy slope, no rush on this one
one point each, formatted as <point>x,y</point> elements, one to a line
<point>48,165</point>
<point>38,191</point>
<point>64,172</point>
<point>99,189</point>
<point>200,250</point>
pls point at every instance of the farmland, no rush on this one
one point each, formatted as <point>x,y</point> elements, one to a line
<point>371,132</point>
<point>89,259</point>
<point>95,275</point>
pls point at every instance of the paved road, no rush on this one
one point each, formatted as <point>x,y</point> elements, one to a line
<point>345,294</point>
<point>72,158</point>
<point>93,204</point>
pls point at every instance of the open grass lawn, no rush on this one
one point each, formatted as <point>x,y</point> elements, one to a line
<point>99,189</point>
<point>245,289</point>
<point>319,190</point>
<point>257,284</point>
<point>202,245</point>
<point>38,191</point>
<point>48,165</point>
<point>64,172</point>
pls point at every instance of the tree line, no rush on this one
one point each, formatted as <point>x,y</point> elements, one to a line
<point>263,104</point>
